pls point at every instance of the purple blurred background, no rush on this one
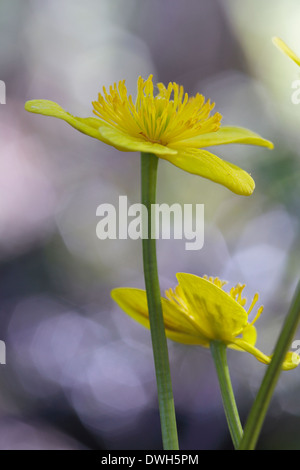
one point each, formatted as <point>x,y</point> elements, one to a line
<point>79,373</point>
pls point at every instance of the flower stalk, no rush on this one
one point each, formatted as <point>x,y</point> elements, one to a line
<point>259,409</point>
<point>149,163</point>
<point>218,351</point>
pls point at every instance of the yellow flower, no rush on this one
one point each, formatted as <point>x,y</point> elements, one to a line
<point>286,50</point>
<point>199,311</point>
<point>168,124</point>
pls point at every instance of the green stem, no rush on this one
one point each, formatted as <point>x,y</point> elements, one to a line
<point>149,164</point>
<point>260,406</point>
<point>218,351</point>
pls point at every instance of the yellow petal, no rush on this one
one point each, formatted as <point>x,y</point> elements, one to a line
<point>128,143</point>
<point>133,302</point>
<point>178,327</point>
<point>203,163</point>
<point>88,126</point>
<point>248,335</point>
<point>217,313</point>
<point>291,361</point>
<point>286,50</point>
<point>226,135</point>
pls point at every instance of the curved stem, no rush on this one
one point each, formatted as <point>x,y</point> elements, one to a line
<point>218,351</point>
<point>260,406</point>
<point>149,164</point>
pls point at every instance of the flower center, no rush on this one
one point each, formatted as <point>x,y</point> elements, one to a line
<point>166,118</point>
